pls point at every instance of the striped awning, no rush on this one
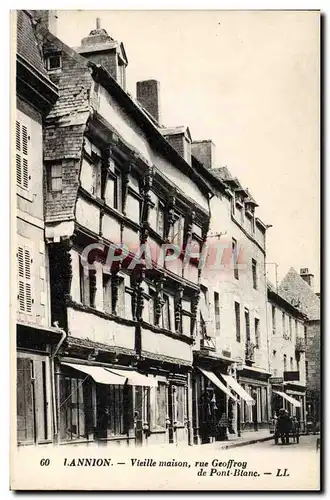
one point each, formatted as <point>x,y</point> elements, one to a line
<point>214,379</point>
<point>238,389</point>
<point>291,400</point>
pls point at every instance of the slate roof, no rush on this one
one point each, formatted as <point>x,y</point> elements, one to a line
<point>27,44</point>
<point>278,297</point>
<point>293,287</point>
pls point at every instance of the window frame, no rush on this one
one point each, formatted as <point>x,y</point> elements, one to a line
<point>257,332</point>
<point>235,258</point>
<point>54,56</point>
<point>247,325</point>
<point>52,177</point>
<point>254,266</point>
<point>237,308</point>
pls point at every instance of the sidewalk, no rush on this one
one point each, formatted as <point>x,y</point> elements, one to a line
<point>247,437</point>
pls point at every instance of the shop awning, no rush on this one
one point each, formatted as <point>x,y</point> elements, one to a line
<point>291,400</point>
<point>99,374</point>
<point>134,378</point>
<point>238,389</point>
<point>214,379</point>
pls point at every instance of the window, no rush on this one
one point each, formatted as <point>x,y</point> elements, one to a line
<point>238,321</point>
<point>22,139</point>
<point>283,324</point>
<point>54,62</point>
<point>296,329</point>
<point>120,305</point>
<point>254,274</point>
<point>176,232</point>
<point>290,327</point>
<point>24,262</point>
<point>160,416</point>
<point>166,320</point>
<point>55,178</point>
<point>75,400</point>
<point>217,312</point>
<point>291,364</point>
<point>274,364</point>
<point>274,320</point>
<point>179,405</point>
<point>160,220</point>
<point>157,215</point>
<point>92,286</point>
<point>33,404</point>
<point>247,325</point>
<point>285,363</point>
<point>151,306</point>
<point>203,331</point>
<point>117,190</point>
<point>122,76</point>
<point>305,334</point>
<point>114,410</point>
<point>186,316</point>
<point>257,332</point>
<point>107,304</point>
<point>306,369</point>
<point>234,258</point>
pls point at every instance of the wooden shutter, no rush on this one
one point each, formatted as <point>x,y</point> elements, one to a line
<point>22,154</point>
<point>24,280</point>
<point>25,418</point>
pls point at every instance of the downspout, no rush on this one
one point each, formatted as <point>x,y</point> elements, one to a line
<point>52,362</point>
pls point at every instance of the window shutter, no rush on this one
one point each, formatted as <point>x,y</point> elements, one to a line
<point>22,155</point>
<point>24,280</point>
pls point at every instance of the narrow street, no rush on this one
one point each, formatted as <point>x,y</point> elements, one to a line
<point>305,443</point>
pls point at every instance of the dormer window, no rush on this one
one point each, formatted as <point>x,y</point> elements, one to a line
<point>54,62</point>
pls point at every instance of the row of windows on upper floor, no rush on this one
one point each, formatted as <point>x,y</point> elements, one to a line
<point>114,295</point>
<point>287,364</point>
<point>111,190</point>
<point>247,324</point>
<point>287,325</point>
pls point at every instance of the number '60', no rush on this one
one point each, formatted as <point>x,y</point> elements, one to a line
<point>44,461</point>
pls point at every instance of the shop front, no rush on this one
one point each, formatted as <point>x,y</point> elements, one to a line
<point>254,416</point>
<point>99,403</point>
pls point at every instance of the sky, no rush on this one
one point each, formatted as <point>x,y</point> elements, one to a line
<point>248,80</point>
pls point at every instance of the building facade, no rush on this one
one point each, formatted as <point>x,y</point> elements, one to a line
<point>35,94</point>
<point>118,185</point>
<point>232,318</point>
<point>298,288</point>
<point>287,356</point>
<point>143,315</point>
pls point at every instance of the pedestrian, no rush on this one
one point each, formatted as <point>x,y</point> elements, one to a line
<point>295,429</point>
<point>284,425</point>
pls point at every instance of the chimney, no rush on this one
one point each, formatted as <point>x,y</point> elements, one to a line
<point>204,151</point>
<point>180,140</point>
<point>46,20</point>
<point>307,276</point>
<point>148,95</point>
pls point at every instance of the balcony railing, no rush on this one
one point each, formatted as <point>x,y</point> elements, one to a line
<point>249,352</point>
<point>300,345</point>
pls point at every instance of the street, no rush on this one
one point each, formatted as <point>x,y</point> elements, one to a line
<point>305,443</point>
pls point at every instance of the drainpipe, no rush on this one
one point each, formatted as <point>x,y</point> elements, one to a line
<point>52,358</point>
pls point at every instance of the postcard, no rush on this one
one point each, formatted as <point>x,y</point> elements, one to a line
<point>165,186</point>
